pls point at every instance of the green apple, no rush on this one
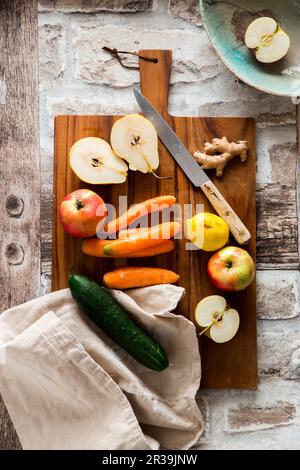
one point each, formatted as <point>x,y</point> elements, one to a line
<point>231,269</point>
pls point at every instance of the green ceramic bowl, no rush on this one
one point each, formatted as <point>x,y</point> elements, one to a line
<point>226,23</point>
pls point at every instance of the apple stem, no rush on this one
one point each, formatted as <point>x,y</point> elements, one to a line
<point>205,329</point>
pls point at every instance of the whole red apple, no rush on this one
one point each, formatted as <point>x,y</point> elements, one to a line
<point>231,269</point>
<point>78,213</point>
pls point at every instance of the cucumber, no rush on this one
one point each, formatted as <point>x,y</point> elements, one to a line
<point>103,310</point>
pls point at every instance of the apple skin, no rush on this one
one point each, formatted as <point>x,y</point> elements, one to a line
<point>78,213</point>
<point>231,269</point>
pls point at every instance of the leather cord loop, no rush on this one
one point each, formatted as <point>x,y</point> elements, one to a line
<point>115,53</point>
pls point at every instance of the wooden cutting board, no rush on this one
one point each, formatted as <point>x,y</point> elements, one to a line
<point>230,365</point>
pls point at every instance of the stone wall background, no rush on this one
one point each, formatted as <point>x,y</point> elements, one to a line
<point>77,77</point>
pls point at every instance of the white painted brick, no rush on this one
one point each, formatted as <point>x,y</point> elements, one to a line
<point>270,142</point>
<point>283,115</point>
<point>46,166</point>
<point>203,404</point>
<point>93,65</point>
<point>245,418</point>
<point>282,433</point>
<point>52,60</point>
<point>277,294</point>
<point>106,100</point>
<point>94,6</point>
<point>227,97</point>
<point>186,10</point>
<point>283,158</point>
<point>279,351</point>
<point>110,104</point>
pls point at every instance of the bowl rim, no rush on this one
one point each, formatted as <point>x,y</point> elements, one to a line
<point>242,78</point>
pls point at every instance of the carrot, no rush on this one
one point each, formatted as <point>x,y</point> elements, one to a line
<point>143,208</point>
<point>129,232</point>
<point>164,247</point>
<point>94,247</point>
<point>129,277</point>
<point>143,239</point>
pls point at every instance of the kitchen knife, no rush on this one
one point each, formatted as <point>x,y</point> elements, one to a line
<point>193,170</point>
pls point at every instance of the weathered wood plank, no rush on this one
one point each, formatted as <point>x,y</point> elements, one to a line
<point>298,169</point>
<point>277,227</point>
<point>19,166</point>
<point>8,437</point>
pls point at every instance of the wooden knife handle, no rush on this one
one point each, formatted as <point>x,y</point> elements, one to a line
<point>221,206</point>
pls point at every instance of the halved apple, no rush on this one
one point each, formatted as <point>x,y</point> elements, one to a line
<point>269,42</point>
<point>94,162</point>
<point>134,139</point>
<point>216,319</point>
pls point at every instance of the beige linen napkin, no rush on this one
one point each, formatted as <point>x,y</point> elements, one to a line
<point>67,385</point>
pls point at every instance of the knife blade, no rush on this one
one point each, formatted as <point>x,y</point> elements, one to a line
<point>192,169</point>
<point>176,148</point>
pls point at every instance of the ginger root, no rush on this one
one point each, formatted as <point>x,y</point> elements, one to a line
<point>218,153</point>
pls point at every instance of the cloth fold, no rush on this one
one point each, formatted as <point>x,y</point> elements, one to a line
<point>67,385</point>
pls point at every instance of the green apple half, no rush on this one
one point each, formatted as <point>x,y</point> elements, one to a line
<point>269,42</point>
<point>216,319</point>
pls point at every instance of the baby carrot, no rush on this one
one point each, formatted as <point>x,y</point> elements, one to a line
<point>94,247</point>
<point>129,277</point>
<point>143,239</point>
<point>139,210</point>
